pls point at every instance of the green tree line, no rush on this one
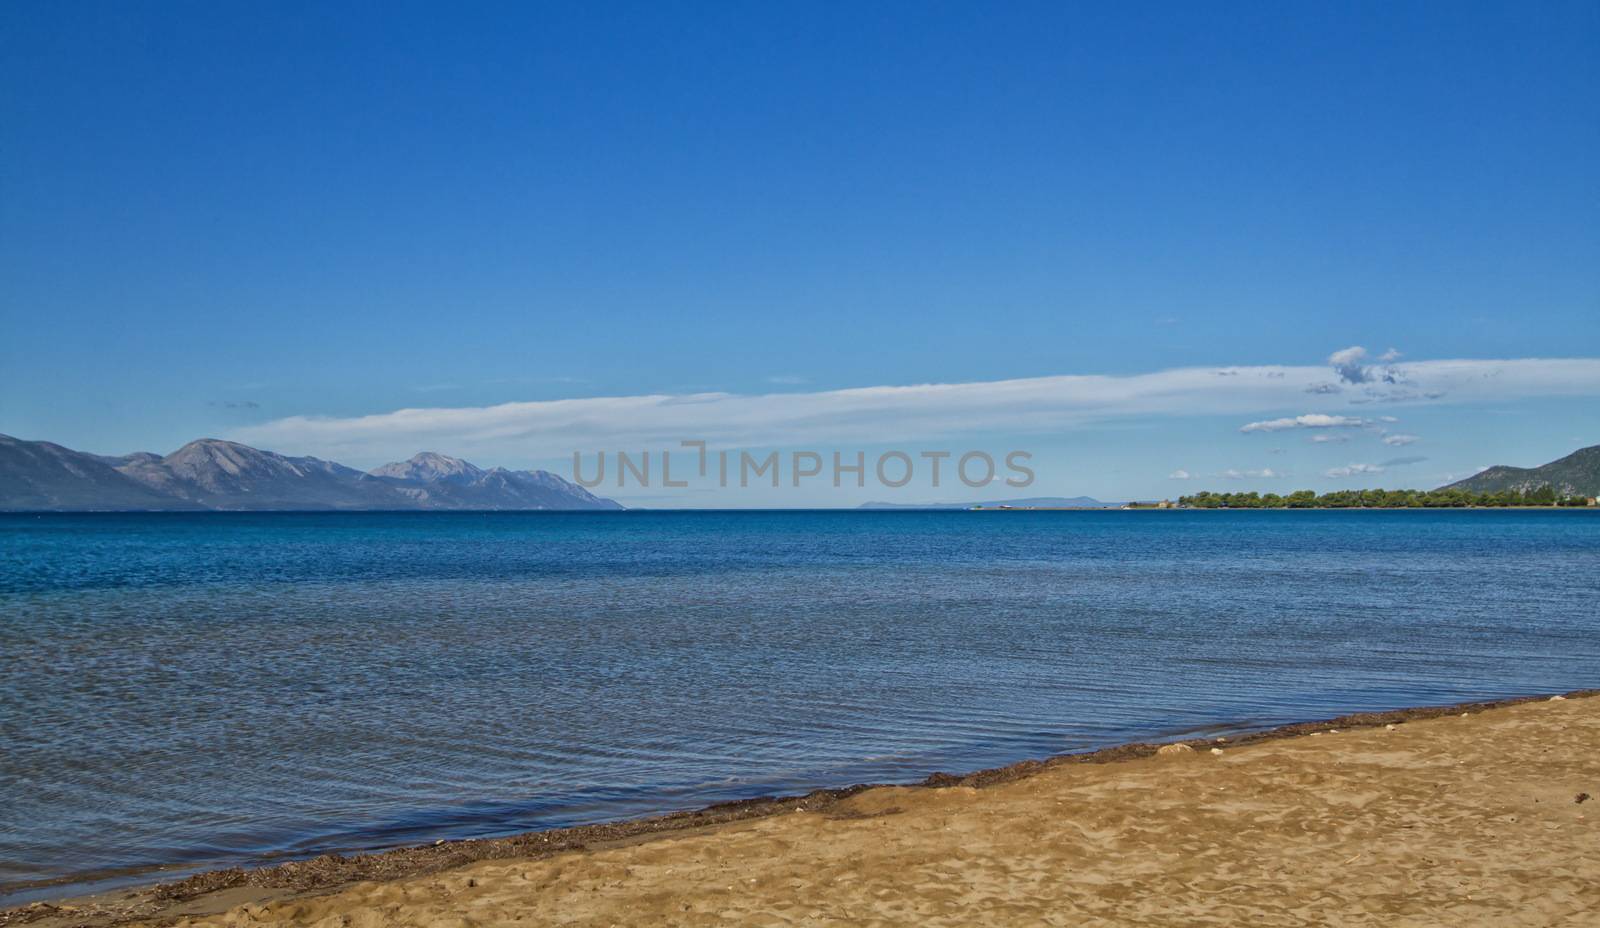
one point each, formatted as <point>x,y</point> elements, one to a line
<point>1380,499</point>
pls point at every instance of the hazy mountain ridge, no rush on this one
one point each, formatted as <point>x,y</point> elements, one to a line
<point>1577,474</point>
<point>211,474</point>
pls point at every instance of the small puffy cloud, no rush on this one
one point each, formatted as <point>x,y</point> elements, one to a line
<point>1347,363</point>
<point>1397,440</point>
<point>1265,473</point>
<point>1324,389</point>
<point>1401,462</point>
<point>1326,438</point>
<point>1353,470</point>
<point>1315,420</point>
<point>1180,474</point>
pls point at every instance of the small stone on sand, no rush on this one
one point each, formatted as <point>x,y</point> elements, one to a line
<point>1176,748</point>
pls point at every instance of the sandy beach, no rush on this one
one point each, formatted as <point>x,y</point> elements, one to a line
<point>1470,817</point>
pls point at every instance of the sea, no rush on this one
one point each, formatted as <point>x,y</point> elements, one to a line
<point>189,691</point>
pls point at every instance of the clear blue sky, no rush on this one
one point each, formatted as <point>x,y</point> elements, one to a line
<point>214,216</point>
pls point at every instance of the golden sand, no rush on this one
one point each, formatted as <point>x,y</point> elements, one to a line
<point>1451,821</point>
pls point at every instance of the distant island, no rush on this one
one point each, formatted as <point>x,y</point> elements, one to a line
<point>1571,481</point>
<point>211,474</point>
<point>1031,502</point>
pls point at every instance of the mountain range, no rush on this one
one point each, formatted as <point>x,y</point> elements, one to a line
<point>1577,474</point>
<point>211,474</point>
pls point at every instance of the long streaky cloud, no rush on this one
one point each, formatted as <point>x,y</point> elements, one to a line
<point>925,412</point>
<point>1315,420</point>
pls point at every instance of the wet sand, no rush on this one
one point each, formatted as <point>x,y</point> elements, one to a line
<point>1425,817</point>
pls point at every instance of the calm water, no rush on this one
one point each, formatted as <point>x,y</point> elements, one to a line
<point>201,690</point>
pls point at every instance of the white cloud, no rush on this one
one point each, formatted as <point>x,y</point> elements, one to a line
<point>1180,474</point>
<point>1398,440</point>
<point>1315,420</point>
<point>1347,363</point>
<point>1326,438</point>
<point>1032,406</point>
<point>1265,473</point>
<point>1353,470</point>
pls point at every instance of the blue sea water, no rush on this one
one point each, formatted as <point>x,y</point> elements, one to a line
<point>182,691</point>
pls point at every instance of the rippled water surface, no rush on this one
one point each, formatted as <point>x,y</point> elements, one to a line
<point>207,689</point>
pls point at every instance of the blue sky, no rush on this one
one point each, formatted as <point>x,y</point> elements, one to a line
<point>262,222</point>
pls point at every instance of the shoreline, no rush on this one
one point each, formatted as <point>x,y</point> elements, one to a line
<point>635,510</point>
<point>331,872</point>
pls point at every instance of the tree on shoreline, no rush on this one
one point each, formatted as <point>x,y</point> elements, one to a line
<point>1381,499</point>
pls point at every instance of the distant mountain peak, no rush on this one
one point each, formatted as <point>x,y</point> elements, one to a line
<point>226,453</point>
<point>216,464</point>
<point>428,466</point>
<point>217,449</point>
<point>214,443</point>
